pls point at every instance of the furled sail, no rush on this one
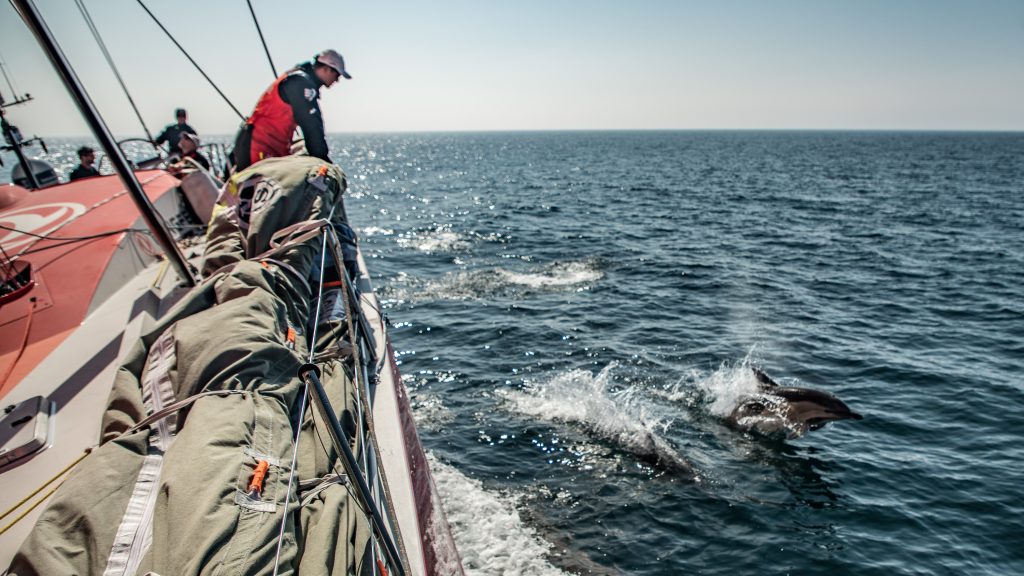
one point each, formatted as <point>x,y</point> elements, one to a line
<point>193,474</point>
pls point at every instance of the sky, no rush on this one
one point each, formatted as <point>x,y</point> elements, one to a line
<point>462,65</point>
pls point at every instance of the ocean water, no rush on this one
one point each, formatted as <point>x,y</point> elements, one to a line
<point>570,307</point>
<point>575,312</point>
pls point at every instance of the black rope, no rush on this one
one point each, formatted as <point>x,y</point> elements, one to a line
<point>260,31</point>
<point>190,59</point>
<point>103,47</point>
<point>73,238</point>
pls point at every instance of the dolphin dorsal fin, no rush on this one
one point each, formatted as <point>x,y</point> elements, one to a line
<point>763,378</point>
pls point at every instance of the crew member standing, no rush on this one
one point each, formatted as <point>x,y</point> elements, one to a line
<point>291,101</point>
<point>172,133</point>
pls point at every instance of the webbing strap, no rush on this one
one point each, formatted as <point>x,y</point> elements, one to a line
<point>323,484</point>
<point>293,235</point>
<point>173,409</point>
<point>135,533</point>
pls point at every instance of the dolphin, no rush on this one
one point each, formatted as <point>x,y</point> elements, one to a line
<point>654,450</point>
<point>776,410</point>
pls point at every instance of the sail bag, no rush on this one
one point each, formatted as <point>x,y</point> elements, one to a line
<point>211,395</point>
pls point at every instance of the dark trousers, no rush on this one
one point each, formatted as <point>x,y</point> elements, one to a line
<point>243,145</point>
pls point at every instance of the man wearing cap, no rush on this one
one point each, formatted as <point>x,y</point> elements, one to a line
<point>172,133</point>
<point>86,156</point>
<point>189,144</point>
<point>291,101</point>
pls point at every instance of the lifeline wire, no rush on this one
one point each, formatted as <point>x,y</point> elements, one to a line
<point>103,47</point>
<point>240,115</point>
<point>302,406</point>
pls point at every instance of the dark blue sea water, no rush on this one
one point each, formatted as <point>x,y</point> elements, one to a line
<point>558,297</point>
<point>568,308</point>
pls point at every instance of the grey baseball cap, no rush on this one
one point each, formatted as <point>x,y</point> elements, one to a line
<point>334,60</point>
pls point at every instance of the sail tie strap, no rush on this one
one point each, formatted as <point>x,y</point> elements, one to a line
<point>134,535</point>
<point>323,484</point>
<point>177,407</point>
<point>293,235</point>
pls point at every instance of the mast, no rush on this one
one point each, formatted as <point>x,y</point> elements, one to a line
<point>32,18</point>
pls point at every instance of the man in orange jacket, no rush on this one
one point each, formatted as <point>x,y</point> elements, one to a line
<point>291,101</point>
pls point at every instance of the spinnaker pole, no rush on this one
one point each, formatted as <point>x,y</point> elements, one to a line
<point>32,18</point>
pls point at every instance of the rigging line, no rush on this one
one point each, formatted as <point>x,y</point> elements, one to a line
<point>311,343</point>
<point>21,350</point>
<point>6,262</point>
<point>89,237</point>
<point>103,47</point>
<point>3,68</point>
<point>260,31</point>
<point>190,59</point>
<point>45,484</point>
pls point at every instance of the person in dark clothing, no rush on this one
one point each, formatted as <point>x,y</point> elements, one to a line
<point>172,133</point>
<point>291,101</point>
<point>189,144</point>
<point>85,169</point>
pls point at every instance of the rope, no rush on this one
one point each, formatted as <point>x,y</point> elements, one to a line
<point>24,343</point>
<point>190,59</point>
<point>37,491</point>
<point>103,47</point>
<point>30,509</point>
<point>260,31</point>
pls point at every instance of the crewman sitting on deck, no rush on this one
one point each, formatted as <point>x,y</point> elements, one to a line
<point>85,169</point>
<point>291,101</point>
<point>189,144</point>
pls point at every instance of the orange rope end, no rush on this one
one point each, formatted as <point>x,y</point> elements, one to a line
<point>257,477</point>
<point>380,566</point>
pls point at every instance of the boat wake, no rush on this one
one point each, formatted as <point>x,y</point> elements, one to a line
<point>621,417</point>
<point>488,530</point>
<point>575,276</point>
<point>578,275</point>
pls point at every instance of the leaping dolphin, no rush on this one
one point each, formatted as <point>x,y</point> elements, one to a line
<point>776,409</point>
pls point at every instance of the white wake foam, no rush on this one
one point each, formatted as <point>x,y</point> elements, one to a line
<point>488,531</point>
<point>556,275</point>
<point>486,283</point>
<point>621,417</point>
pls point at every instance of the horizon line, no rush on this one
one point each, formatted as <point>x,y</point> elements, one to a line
<point>572,130</point>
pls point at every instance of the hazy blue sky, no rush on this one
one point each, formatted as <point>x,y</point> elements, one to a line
<point>554,64</point>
